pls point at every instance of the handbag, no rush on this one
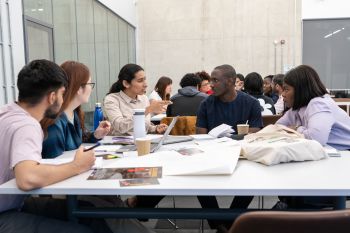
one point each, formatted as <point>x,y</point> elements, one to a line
<point>276,144</point>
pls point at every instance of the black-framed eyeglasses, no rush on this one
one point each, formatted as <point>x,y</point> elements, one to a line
<point>91,84</point>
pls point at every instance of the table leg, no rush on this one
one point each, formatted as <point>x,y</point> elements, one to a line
<point>339,203</point>
<point>72,204</point>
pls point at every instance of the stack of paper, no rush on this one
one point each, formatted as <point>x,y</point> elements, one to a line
<point>222,130</point>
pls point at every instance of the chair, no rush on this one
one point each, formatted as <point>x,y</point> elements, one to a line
<point>185,125</point>
<point>270,120</point>
<point>292,222</point>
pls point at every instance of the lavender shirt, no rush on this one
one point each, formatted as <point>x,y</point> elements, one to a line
<point>321,120</point>
<point>21,139</point>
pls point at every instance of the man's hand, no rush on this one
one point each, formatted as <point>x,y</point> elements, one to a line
<point>84,160</point>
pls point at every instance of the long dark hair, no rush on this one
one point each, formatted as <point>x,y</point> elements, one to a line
<point>161,85</point>
<point>126,73</point>
<point>78,75</point>
<point>306,83</point>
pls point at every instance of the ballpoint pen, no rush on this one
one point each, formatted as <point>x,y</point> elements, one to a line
<point>94,146</point>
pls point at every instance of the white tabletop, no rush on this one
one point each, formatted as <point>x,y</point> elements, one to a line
<point>328,177</point>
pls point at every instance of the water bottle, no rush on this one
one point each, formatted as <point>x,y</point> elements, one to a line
<point>139,123</point>
<point>98,115</point>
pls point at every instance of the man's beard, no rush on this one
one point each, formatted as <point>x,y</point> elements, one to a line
<point>52,111</point>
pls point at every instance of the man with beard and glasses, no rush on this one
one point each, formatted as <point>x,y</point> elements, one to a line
<point>41,85</point>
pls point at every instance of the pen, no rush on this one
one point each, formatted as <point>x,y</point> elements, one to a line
<point>94,146</point>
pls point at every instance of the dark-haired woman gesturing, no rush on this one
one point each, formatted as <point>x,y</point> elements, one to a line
<point>126,94</point>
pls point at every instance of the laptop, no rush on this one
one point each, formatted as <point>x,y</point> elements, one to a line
<point>158,142</point>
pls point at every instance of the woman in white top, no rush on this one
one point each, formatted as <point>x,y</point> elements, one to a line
<point>162,90</point>
<point>127,94</point>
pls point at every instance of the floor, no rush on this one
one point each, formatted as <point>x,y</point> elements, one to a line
<point>196,226</point>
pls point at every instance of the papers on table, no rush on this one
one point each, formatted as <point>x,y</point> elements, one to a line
<point>202,137</point>
<point>117,140</point>
<point>222,130</point>
<point>216,158</point>
<point>129,176</point>
<point>58,161</point>
<point>107,149</point>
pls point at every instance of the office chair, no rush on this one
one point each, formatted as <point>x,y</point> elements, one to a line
<point>292,222</point>
<point>270,120</point>
<point>185,125</point>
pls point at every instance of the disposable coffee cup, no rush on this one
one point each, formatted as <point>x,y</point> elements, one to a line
<point>143,146</point>
<point>242,129</point>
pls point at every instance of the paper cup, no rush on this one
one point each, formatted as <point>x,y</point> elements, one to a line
<point>143,146</point>
<point>242,129</point>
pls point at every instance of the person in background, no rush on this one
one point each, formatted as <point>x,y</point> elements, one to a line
<point>205,82</point>
<point>162,90</point>
<point>254,86</point>
<point>188,98</point>
<point>68,131</point>
<point>277,87</point>
<point>268,88</point>
<point>126,94</point>
<point>313,112</point>
<point>41,85</point>
<point>231,107</point>
<point>240,82</point>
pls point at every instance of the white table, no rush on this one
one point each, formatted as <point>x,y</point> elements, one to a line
<point>328,177</point>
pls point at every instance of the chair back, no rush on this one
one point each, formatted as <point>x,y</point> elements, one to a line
<point>270,120</point>
<point>292,222</point>
<point>185,125</point>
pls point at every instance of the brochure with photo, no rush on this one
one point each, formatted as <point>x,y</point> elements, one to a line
<point>138,182</point>
<point>126,173</point>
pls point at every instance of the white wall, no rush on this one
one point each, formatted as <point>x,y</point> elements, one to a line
<point>126,9</point>
<point>317,9</point>
<point>12,57</point>
<point>181,36</point>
